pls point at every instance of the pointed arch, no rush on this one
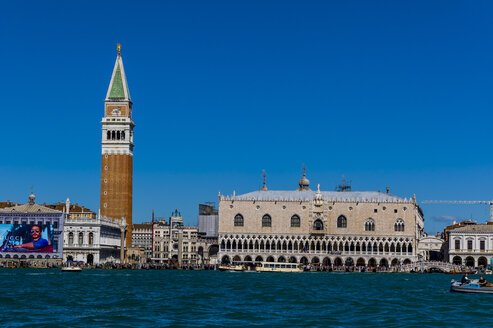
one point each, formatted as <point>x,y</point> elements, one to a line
<point>342,221</point>
<point>370,225</point>
<point>399,225</point>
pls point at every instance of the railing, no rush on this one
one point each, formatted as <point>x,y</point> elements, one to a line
<point>478,251</point>
<point>423,265</point>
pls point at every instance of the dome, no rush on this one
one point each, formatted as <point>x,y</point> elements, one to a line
<point>304,183</point>
<point>32,199</point>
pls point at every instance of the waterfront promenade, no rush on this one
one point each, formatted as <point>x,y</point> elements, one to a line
<point>138,298</point>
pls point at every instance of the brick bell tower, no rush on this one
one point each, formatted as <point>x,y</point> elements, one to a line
<point>117,150</point>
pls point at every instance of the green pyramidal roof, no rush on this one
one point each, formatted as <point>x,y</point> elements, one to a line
<point>118,85</point>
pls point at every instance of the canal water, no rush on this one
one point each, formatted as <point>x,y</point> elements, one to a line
<point>138,298</point>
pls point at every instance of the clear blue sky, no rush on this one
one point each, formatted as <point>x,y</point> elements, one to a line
<point>388,93</point>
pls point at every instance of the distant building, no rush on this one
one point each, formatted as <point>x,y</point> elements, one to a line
<point>330,228</point>
<point>136,255</point>
<point>30,234</point>
<point>431,248</point>
<point>73,211</point>
<point>142,238</point>
<point>208,220</point>
<point>456,225</point>
<point>93,241</point>
<point>471,245</point>
<point>174,243</point>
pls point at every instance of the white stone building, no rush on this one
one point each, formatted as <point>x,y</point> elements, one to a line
<point>93,241</point>
<point>430,248</point>
<point>174,243</point>
<point>331,228</point>
<point>471,245</point>
<point>142,237</point>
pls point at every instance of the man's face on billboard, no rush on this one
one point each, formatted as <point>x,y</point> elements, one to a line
<point>35,232</point>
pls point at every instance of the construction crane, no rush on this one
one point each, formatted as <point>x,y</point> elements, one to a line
<point>464,202</point>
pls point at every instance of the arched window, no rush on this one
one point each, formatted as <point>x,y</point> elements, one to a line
<point>295,221</point>
<point>81,238</point>
<point>123,135</point>
<point>108,135</point>
<point>318,225</point>
<point>399,225</point>
<point>117,135</point>
<point>342,222</point>
<point>91,238</point>
<point>238,221</point>
<point>370,225</point>
<point>266,221</point>
<point>70,238</point>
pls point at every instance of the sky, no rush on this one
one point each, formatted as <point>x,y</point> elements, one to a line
<point>387,93</point>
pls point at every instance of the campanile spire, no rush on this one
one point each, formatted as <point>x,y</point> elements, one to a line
<point>117,150</point>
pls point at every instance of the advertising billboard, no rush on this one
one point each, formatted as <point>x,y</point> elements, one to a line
<point>26,238</point>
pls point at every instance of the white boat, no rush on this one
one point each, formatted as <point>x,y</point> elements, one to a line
<point>232,268</point>
<point>71,269</point>
<point>472,286</point>
<point>279,267</point>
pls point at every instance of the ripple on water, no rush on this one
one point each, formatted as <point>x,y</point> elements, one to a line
<point>99,298</point>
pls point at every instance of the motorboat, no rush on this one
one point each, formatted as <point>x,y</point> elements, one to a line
<point>472,286</point>
<point>71,269</point>
<point>232,268</point>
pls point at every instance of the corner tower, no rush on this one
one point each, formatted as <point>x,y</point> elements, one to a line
<point>117,150</point>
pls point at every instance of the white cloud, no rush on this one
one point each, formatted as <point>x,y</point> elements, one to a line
<point>445,218</point>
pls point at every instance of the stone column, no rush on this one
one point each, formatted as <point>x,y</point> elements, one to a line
<point>180,247</point>
<point>122,245</point>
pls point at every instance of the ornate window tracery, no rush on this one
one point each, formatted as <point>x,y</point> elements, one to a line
<point>266,221</point>
<point>295,221</point>
<point>238,220</point>
<point>399,225</point>
<point>370,225</point>
<point>341,222</point>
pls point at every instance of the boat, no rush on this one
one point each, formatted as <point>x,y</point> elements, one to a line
<point>279,267</point>
<point>71,269</point>
<point>232,268</point>
<point>472,286</point>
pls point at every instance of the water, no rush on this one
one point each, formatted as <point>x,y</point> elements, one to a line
<point>124,298</point>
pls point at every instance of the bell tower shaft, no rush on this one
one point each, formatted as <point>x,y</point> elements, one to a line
<point>117,150</point>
